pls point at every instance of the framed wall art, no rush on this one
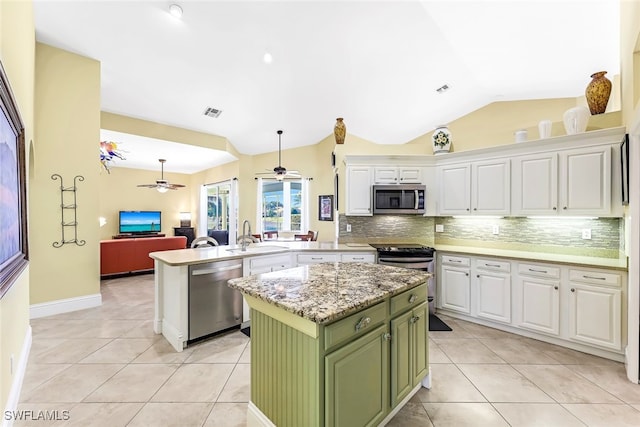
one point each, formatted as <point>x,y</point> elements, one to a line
<point>13,209</point>
<point>325,208</point>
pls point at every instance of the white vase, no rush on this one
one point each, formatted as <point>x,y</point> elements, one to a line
<point>441,140</point>
<point>521,135</point>
<point>576,119</point>
<point>544,128</point>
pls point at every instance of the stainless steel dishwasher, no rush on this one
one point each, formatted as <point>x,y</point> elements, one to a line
<point>213,306</point>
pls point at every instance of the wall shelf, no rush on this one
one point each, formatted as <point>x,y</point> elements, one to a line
<point>68,211</point>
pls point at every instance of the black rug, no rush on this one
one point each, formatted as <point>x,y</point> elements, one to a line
<point>246,331</point>
<point>435,324</point>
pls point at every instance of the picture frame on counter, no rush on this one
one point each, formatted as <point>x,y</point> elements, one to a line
<point>325,208</point>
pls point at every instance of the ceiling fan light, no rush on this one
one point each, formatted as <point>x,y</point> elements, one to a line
<point>279,177</point>
<point>162,189</point>
<point>175,11</point>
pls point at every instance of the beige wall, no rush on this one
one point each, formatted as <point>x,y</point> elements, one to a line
<point>118,191</point>
<point>17,44</point>
<point>67,111</point>
<point>630,57</point>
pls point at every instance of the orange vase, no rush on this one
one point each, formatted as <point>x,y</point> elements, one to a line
<point>340,131</point>
<point>598,92</point>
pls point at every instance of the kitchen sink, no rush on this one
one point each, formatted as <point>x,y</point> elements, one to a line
<point>258,249</point>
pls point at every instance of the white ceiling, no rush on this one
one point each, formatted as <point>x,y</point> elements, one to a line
<point>375,63</point>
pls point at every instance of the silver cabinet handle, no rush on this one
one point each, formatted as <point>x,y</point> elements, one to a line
<point>538,271</point>
<point>554,208</point>
<point>555,287</point>
<point>565,208</point>
<point>573,289</point>
<point>363,323</point>
<point>316,258</point>
<point>492,265</point>
<point>454,260</point>
<point>466,274</point>
<point>594,277</point>
<point>478,276</point>
<point>414,319</point>
<point>475,209</point>
<point>412,299</point>
<point>386,336</point>
<point>356,257</point>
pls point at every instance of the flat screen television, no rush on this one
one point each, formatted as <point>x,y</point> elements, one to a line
<point>139,222</point>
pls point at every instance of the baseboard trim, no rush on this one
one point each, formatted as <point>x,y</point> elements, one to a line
<point>64,305</point>
<point>16,384</point>
<point>256,418</point>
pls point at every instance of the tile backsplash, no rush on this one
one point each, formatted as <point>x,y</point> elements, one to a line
<point>553,235</point>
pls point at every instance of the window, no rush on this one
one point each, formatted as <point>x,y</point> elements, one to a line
<point>282,205</point>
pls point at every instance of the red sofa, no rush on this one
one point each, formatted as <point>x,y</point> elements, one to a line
<point>120,256</point>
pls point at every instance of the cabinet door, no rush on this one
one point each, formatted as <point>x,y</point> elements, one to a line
<point>410,175</point>
<point>420,347</point>
<point>585,181</point>
<point>358,195</point>
<point>455,191</point>
<point>534,185</point>
<point>357,381</point>
<point>494,296</point>
<point>595,315</point>
<point>455,287</point>
<point>539,304</point>
<point>490,188</point>
<point>385,175</point>
<point>401,357</point>
<point>316,258</point>
<point>347,257</point>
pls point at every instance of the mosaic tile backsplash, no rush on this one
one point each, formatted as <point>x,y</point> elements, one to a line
<point>555,235</point>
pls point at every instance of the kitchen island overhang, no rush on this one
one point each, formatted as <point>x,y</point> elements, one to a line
<point>335,343</point>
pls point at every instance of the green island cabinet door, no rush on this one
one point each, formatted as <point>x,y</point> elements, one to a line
<point>409,357</point>
<point>357,381</point>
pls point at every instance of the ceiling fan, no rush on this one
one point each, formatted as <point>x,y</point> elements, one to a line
<point>279,171</point>
<point>162,185</point>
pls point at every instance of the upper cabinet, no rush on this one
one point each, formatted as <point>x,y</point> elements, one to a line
<point>571,182</point>
<point>476,188</point>
<point>358,194</point>
<point>397,175</point>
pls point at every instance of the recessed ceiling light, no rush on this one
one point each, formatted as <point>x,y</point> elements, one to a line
<point>175,11</point>
<point>442,89</point>
<point>267,58</point>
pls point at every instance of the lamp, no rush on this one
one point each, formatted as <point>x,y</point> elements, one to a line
<point>162,189</point>
<point>185,219</point>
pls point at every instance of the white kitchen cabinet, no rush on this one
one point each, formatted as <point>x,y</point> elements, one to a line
<point>585,181</point>
<point>316,258</point>
<point>454,292</point>
<point>477,188</point>
<point>358,257</point>
<point>534,184</point>
<point>358,194</point>
<point>397,175</point>
<point>266,263</point>
<point>537,287</point>
<point>492,288</point>
<point>570,182</point>
<point>595,308</point>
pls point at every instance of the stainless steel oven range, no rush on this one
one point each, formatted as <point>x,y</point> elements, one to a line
<point>413,256</point>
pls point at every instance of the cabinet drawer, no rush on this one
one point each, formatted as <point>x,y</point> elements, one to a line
<point>268,261</point>
<point>408,299</point>
<point>358,258</point>
<point>354,325</point>
<point>455,260</point>
<point>315,258</point>
<point>487,264</point>
<point>539,271</point>
<point>595,277</point>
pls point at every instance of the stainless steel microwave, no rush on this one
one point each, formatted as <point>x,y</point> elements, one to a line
<point>399,199</point>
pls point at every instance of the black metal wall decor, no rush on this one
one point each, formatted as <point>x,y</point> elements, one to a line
<point>67,210</point>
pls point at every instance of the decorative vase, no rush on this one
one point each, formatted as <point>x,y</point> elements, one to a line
<point>598,92</point>
<point>441,140</point>
<point>575,120</point>
<point>544,128</point>
<point>340,131</point>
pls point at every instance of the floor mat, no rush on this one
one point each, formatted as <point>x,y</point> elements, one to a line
<point>435,324</point>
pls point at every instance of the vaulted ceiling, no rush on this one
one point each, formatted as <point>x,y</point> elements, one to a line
<point>375,63</point>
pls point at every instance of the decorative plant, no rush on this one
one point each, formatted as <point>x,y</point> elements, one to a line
<point>108,152</point>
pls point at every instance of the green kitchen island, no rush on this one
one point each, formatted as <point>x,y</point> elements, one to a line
<point>335,344</point>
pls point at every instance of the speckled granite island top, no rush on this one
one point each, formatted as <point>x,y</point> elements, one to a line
<point>325,292</point>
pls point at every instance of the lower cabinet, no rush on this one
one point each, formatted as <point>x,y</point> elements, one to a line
<point>357,381</point>
<point>409,351</point>
<point>582,308</point>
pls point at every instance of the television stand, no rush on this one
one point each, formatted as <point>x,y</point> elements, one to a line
<point>137,235</point>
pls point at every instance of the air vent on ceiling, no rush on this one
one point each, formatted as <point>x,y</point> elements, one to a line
<point>212,112</point>
<point>442,89</point>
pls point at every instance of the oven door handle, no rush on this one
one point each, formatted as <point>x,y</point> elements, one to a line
<point>404,260</point>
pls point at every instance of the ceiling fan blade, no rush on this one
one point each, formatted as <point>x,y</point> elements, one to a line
<point>175,186</point>
<point>148,185</point>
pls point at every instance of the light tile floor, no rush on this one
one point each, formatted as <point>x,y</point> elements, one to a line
<point>106,367</point>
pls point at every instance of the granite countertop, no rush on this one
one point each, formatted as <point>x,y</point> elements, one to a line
<point>218,253</point>
<point>325,292</point>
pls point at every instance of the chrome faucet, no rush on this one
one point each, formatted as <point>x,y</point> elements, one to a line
<point>245,237</point>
